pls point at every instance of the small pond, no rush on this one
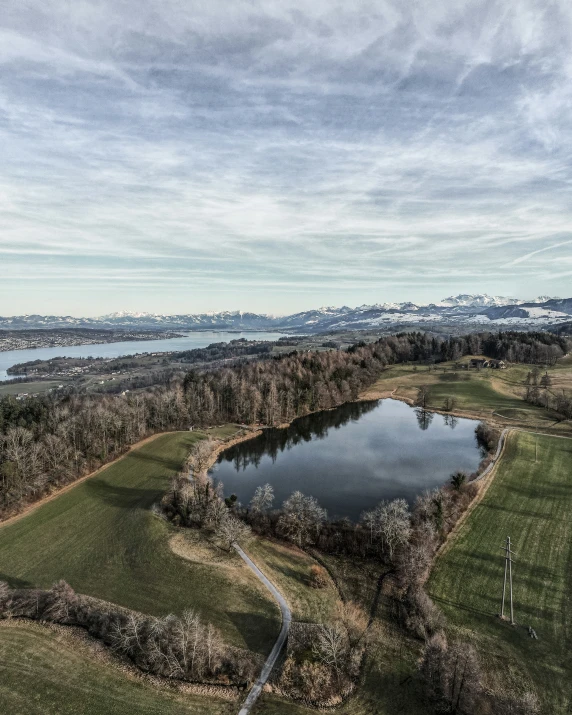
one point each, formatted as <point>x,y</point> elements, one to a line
<point>352,457</point>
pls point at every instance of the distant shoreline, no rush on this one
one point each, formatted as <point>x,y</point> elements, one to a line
<point>31,339</point>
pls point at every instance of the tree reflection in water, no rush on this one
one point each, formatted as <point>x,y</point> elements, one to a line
<point>303,429</point>
<point>424,418</point>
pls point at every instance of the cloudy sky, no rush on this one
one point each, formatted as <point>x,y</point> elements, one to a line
<point>182,156</point>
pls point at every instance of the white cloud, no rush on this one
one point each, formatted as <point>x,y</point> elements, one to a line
<point>255,148</point>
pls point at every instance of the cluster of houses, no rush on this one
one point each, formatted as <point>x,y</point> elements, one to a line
<point>485,362</point>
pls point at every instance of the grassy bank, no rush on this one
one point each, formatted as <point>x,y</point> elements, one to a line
<point>289,569</point>
<point>102,537</point>
<point>494,395</point>
<point>530,500</point>
<point>43,674</point>
<point>389,685</point>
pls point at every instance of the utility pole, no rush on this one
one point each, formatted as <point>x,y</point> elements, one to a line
<point>507,568</point>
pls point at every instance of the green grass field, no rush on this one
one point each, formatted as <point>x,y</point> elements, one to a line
<point>478,393</point>
<point>102,538</point>
<point>289,568</point>
<point>30,388</point>
<point>41,674</point>
<point>388,685</point>
<point>531,501</point>
<point>484,394</point>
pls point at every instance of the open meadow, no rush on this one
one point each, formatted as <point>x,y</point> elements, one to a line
<point>43,673</point>
<point>492,395</point>
<point>103,539</point>
<point>530,500</point>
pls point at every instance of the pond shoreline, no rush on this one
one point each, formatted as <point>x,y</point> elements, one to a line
<point>257,430</point>
<point>351,455</point>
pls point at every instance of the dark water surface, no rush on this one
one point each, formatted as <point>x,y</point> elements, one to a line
<point>352,457</point>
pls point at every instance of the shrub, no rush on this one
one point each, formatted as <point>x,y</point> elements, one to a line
<point>318,576</point>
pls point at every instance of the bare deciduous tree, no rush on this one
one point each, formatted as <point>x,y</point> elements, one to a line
<point>422,398</point>
<point>232,530</point>
<point>61,597</point>
<point>301,518</point>
<point>332,646</point>
<point>201,457</point>
<point>262,499</point>
<point>390,522</point>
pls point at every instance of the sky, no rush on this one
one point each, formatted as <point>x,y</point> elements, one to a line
<point>177,156</point>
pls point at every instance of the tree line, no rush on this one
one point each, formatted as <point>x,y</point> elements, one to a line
<point>50,440</point>
<point>180,647</point>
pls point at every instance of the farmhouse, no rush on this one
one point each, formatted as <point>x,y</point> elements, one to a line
<point>483,362</point>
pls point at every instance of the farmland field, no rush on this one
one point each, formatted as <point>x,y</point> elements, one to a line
<point>103,539</point>
<point>494,395</point>
<point>43,674</point>
<point>530,500</point>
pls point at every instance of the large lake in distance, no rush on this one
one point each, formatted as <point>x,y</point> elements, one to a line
<point>352,457</point>
<point>199,339</point>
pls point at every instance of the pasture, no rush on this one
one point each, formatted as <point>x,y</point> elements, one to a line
<point>102,537</point>
<point>494,395</point>
<point>530,500</point>
<point>45,673</point>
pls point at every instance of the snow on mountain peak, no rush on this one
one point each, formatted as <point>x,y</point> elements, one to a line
<point>128,314</point>
<point>477,300</point>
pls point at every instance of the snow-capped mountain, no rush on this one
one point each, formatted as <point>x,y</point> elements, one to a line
<point>476,312</point>
<point>477,301</point>
<point>482,300</point>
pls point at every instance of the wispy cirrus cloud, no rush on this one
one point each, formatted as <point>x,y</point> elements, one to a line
<point>180,156</point>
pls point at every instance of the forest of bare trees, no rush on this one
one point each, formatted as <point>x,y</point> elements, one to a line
<point>48,440</point>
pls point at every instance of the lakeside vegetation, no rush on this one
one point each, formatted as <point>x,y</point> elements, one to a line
<point>126,495</point>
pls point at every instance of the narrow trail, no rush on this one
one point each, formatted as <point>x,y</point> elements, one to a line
<point>497,455</point>
<point>275,652</point>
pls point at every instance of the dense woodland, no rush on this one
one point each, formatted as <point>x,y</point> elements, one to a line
<point>48,441</point>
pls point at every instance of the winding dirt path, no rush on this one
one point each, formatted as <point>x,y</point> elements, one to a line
<point>275,652</point>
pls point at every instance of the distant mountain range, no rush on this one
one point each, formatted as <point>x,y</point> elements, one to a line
<point>474,312</point>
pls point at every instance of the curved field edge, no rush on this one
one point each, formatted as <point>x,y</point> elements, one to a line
<point>530,500</point>
<point>43,673</point>
<point>103,539</point>
<point>494,395</point>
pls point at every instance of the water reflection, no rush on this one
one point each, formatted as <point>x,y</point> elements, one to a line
<point>424,418</point>
<point>352,457</point>
<point>304,429</point>
<point>451,421</point>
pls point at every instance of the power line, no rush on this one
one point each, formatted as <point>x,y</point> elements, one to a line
<point>507,568</point>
